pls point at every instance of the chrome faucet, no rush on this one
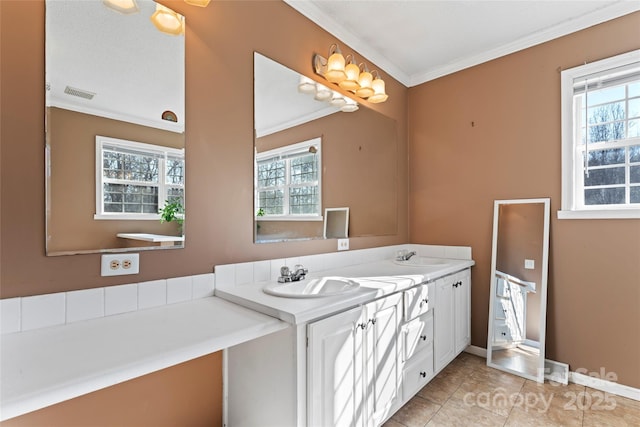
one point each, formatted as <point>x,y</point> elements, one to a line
<point>287,275</point>
<point>406,256</point>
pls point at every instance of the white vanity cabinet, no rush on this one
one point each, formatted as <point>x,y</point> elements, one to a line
<point>355,367</point>
<point>353,362</point>
<point>452,318</point>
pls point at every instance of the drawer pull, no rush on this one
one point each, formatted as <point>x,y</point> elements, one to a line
<point>423,374</point>
<point>424,301</point>
<point>423,337</point>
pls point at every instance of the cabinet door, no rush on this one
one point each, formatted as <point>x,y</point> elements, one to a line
<point>443,341</point>
<point>335,369</point>
<point>462,302</point>
<point>383,362</point>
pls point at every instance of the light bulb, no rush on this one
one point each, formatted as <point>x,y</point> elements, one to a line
<point>306,85</point>
<point>379,94</point>
<point>351,82</point>
<point>335,67</point>
<point>322,93</point>
<point>167,21</point>
<point>364,80</point>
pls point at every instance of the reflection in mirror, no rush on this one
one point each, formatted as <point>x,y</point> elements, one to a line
<point>336,223</point>
<point>517,312</point>
<point>114,129</point>
<point>353,162</point>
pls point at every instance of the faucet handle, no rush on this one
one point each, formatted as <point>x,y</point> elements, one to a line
<point>299,267</point>
<point>284,271</point>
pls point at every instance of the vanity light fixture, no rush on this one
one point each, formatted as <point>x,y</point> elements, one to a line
<point>125,7</point>
<point>349,76</point>
<point>167,21</point>
<point>323,94</point>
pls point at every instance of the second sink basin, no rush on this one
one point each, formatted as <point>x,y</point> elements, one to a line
<point>421,261</point>
<point>312,288</point>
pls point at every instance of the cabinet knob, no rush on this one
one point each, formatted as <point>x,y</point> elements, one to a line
<point>504,334</point>
<point>424,301</point>
<point>423,374</point>
<point>423,337</point>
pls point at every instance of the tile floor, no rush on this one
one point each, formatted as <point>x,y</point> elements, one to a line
<point>469,393</point>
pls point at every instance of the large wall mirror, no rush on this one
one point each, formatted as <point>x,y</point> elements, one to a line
<point>317,150</point>
<point>115,138</point>
<point>517,308</point>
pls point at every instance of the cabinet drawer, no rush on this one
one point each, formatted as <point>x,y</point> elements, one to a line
<point>501,308</point>
<point>417,336</point>
<point>416,302</point>
<point>416,374</point>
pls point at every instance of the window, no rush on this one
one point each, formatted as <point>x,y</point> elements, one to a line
<point>601,139</point>
<point>288,182</point>
<point>134,180</point>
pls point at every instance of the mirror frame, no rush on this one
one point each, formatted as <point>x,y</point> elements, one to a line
<point>540,365</point>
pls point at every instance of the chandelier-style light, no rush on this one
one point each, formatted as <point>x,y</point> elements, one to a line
<point>351,77</point>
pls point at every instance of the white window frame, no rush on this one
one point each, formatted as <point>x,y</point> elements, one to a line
<point>572,163</point>
<point>285,151</point>
<point>156,150</point>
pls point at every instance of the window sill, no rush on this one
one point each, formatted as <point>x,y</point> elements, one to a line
<point>290,218</point>
<point>600,214</point>
<point>127,217</point>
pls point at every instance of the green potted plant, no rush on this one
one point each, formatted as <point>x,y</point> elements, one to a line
<point>173,211</point>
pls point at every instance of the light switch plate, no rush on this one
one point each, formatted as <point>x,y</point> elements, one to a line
<point>343,244</point>
<point>120,264</point>
<point>529,264</point>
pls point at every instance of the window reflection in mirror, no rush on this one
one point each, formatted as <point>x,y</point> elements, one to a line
<point>111,77</point>
<point>358,155</point>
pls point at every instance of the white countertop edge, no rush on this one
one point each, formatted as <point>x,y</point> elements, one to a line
<point>77,386</point>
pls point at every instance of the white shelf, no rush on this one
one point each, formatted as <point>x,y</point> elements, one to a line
<point>156,238</point>
<point>46,366</point>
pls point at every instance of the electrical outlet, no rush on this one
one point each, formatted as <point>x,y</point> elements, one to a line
<point>343,244</point>
<point>529,264</point>
<point>120,264</point>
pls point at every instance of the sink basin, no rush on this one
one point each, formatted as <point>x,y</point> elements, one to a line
<point>312,288</point>
<point>420,261</point>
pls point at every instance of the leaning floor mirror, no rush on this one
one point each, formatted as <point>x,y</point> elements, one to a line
<point>517,307</point>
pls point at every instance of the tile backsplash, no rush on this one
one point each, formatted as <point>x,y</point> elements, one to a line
<point>40,311</point>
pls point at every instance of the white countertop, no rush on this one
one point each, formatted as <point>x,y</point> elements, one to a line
<point>376,279</point>
<point>46,366</point>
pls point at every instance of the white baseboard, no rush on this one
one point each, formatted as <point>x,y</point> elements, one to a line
<point>604,385</point>
<point>558,368</point>
<point>477,351</point>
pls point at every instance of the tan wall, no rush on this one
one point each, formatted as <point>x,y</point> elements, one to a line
<point>189,394</point>
<point>493,132</point>
<point>220,41</point>
<point>72,138</point>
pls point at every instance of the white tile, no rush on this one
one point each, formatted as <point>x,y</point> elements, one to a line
<point>261,271</point>
<point>152,294</point>
<point>120,299</point>
<point>203,285</point>
<point>179,289</point>
<point>9,315</point>
<point>292,262</point>
<point>244,273</point>
<point>225,275</point>
<point>313,263</point>
<point>43,310</point>
<point>85,304</point>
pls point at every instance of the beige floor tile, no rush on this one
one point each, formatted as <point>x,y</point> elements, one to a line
<point>551,417</point>
<point>606,409</point>
<point>416,413</point>
<point>489,395</point>
<point>392,423</point>
<point>452,415</point>
<point>440,389</point>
